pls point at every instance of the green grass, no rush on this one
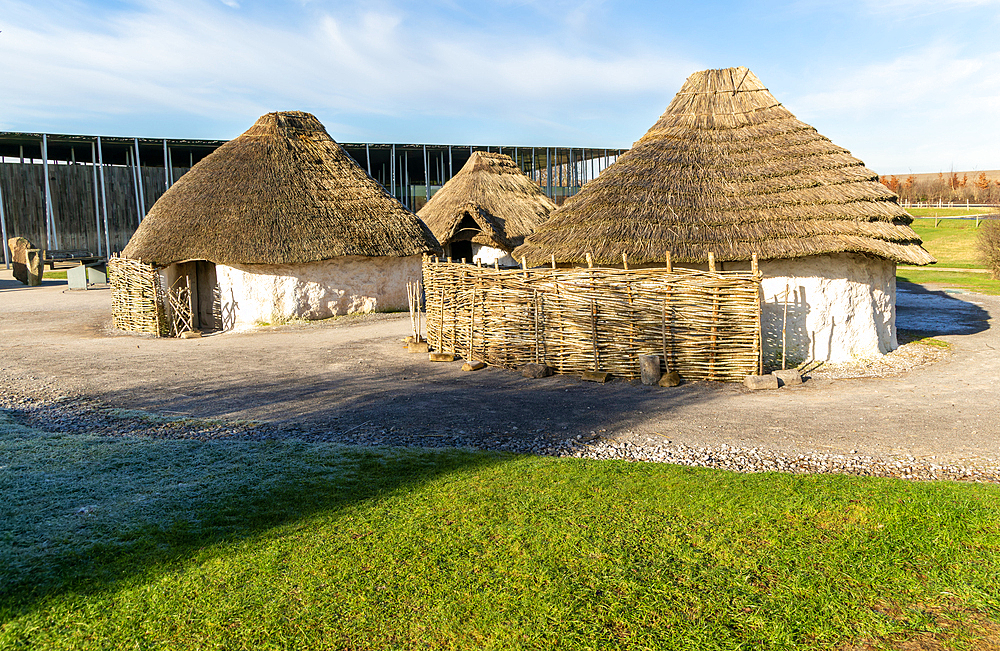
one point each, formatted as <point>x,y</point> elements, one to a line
<point>125,543</point>
<point>972,282</point>
<point>54,275</point>
<point>957,211</point>
<point>952,242</point>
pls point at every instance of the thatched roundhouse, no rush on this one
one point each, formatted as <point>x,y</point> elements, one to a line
<point>280,223</point>
<point>729,170</point>
<point>485,211</point>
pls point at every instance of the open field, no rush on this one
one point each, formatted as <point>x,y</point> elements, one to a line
<point>122,543</point>
<point>204,493</point>
<point>953,243</point>
<point>956,211</point>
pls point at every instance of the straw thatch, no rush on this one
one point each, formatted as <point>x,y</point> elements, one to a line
<point>728,170</point>
<point>281,193</point>
<point>489,202</point>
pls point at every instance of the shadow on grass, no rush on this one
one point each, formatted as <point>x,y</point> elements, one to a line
<point>936,312</point>
<point>83,514</point>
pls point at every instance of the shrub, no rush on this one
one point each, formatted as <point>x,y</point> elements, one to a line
<point>989,245</point>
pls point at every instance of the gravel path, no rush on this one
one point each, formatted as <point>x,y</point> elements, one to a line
<point>922,412</point>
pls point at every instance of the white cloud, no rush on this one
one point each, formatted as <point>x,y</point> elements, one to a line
<point>923,111</point>
<point>197,58</point>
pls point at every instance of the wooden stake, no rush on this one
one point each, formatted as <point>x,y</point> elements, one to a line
<point>625,260</point>
<point>754,266</point>
<point>711,262</point>
<point>553,260</point>
<point>590,261</point>
<point>670,266</point>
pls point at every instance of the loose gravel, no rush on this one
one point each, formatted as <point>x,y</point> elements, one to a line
<point>52,412</point>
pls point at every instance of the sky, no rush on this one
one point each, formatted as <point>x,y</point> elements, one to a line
<point>905,85</point>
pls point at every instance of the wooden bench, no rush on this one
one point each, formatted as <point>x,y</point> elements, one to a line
<point>52,256</point>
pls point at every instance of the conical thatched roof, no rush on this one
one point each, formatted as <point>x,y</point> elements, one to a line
<point>282,193</point>
<point>489,192</point>
<point>728,169</point>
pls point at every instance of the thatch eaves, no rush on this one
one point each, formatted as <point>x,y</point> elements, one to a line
<point>283,192</point>
<point>727,169</point>
<point>492,193</point>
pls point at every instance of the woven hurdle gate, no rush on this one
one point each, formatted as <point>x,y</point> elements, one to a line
<point>704,325</point>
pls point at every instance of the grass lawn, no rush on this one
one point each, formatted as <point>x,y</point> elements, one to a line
<point>953,243</point>
<point>956,211</point>
<point>126,543</point>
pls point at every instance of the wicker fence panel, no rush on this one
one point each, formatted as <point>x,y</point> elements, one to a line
<point>705,325</point>
<point>137,301</point>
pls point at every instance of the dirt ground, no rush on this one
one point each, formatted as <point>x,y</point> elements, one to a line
<point>352,372</point>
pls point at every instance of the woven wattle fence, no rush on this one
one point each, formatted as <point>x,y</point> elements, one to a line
<point>704,325</point>
<point>137,299</point>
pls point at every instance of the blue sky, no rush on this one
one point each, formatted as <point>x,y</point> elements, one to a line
<point>906,85</point>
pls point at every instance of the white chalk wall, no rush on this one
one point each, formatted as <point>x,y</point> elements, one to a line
<point>253,294</point>
<point>488,255</point>
<point>839,307</point>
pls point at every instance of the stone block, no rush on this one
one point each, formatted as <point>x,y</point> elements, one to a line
<point>649,369</point>
<point>534,371</point>
<point>36,267</point>
<point>19,248</point>
<point>418,347</point>
<point>191,334</point>
<point>595,376</point>
<point>789,376</point>
<point>441,357</point>
<point>473,366</point>
<point>757,382</point>
<point>76,277</point>
<point>670,379</point>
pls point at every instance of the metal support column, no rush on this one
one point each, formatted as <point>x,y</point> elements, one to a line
<point>3,231</point>
<point>138,176</point>
<point>406,178</point>
<point>166,165</point>
<point>392,171</point>
<point>548,165</point>
<point>97,203</point>
<point>50,220</point>
<point>427,176</point>
<point>130,160</point>
<point>533,165</point>
<point>451,173</point>
<point>104,198</point>
<point>368,157</point>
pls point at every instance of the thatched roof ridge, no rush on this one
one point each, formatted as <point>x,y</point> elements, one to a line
<point>727,169</point>
<point>493,192</point>
<point>283,192</point>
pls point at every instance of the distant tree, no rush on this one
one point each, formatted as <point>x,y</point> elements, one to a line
<point>980,185</point>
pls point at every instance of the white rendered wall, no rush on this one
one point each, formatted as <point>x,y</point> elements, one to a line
<point>253,294</point>
<point>488,255</point>
<point>840,307</point>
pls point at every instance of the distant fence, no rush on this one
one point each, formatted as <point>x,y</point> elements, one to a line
<point>704,325</point>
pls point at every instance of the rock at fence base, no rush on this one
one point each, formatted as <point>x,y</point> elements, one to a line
<point>670,379</point>
<point>789,376</point>
<point>191,334</point>
<point>441,357</point>
<point>595,376</point>
<point>418,347</point>
<point>473,366</point>
<point>756,382</point>
<point>532,370</point>
<point>649,369</point>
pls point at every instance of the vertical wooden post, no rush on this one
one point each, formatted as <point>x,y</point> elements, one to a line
<point>670,266</point>
<point>711,262</point>
<point>625,260</point>
<point>590,261</point>
<point>553,260</point>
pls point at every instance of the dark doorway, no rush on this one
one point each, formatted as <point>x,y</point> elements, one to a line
<point>208,300</point>
<point>460,250</point>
